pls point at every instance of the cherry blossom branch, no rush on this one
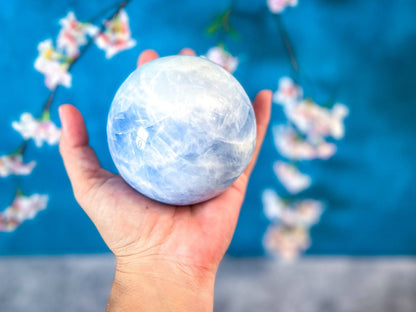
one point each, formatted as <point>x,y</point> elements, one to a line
<point>303,137</point>
<point>22,148</point>
<point>301,75</point>
<point>120,6</point>
<point>49,101</point>
<point>117,5</point>
<point>219,53</point>
<point>287,43</point>
<point>100,31</point>
<point>73,41</point>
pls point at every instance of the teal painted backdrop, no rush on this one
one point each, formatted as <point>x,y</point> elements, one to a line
<point>361,53</point>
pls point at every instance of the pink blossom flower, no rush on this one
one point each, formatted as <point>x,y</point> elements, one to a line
<point>293,146</point>
<point>73,34</point>
<point>278,6</point>
<point>39,130</point>
<point>13,164</point>
<point>23,208</point>
<point>54,65</point>
<point>286,242</point>
<point>223,58</point>
<point>291,178</point>
<point>317,121</point>
<point>117,35</point>
<point>288,93</point>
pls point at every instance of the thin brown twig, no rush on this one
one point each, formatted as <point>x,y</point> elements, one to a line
<point>287,43</point>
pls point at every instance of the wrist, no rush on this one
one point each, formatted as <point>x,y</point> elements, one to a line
<point>160,285</point>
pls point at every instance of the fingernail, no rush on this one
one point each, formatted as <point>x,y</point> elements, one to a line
<point>187,51</point>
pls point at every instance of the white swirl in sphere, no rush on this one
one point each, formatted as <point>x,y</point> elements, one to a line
<point>181,129</point>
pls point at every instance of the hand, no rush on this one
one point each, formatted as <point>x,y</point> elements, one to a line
<point>167,256</point>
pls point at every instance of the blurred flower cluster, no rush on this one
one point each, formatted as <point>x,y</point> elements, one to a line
<point>116,36</point>
<point>304,137</point>
<point>288,235</point>
<point>40,130</point>
<point>309,134</point>
<point>14,165</point>
<point>223,58</point>
<point>278,6</point>
<point>22,208</point>
<point>55,63</point>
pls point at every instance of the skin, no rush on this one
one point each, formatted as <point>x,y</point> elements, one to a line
<point>166,256</point>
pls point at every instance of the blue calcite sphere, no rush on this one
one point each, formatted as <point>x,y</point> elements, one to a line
<point>181,129</point>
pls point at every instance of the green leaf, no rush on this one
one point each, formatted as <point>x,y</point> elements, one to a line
<point>212,28</point>
<point>46,115</point>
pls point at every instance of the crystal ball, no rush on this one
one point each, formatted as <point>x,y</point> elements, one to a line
<point>181,129</point>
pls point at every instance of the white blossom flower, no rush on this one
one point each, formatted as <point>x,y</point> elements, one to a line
<point>73,34</point>
<point>8,224</point>
<point>117,35</point>
<point>288,93</point>
<point>278,6</point>
<point>303,213</point>
<point>223,58</point>
<point>286,242</point>
<point>317,121</point>
<point>339,112</point>
<point>39,130</point>
<point>308,212</point>
<point>292,146</point>
<point>273,205</point>
<point>54,65</point>
<point>325,150</point>
<point>23,208</point>
<point>291,178</point>
<point>13,164</point>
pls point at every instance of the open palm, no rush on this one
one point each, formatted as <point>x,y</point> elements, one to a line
<point>135,227</point>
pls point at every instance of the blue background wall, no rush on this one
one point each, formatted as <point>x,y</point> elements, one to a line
<point>361,52</point>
